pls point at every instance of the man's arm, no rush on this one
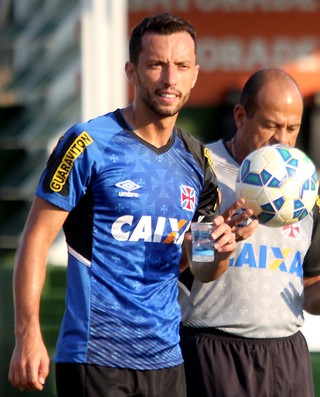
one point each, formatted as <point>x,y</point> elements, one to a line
<point>186,253</point>
<point>312,295</point>
<point>224,245</point>
<point>311,267</point>
<point>226,233</point>
<point>29,365</point>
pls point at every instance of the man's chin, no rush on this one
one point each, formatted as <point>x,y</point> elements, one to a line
<point>167,112</point>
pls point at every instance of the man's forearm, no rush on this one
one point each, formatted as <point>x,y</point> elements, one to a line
<point>312,295</point>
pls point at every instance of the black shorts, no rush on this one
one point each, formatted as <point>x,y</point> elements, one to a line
<point>222,365</point>
<point>84,380</point>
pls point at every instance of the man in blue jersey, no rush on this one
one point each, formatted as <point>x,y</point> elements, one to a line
<point>241,333</point>
<point>125,187</point>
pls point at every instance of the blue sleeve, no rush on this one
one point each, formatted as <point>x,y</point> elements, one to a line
<point>69,169</point>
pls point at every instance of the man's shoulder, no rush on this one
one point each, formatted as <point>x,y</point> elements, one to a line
<point>102,120</point>
<point>191,143</point>
<point>188,136</point>
<point>98,127</point>
<point>217,151</point>
<point>216,145</point>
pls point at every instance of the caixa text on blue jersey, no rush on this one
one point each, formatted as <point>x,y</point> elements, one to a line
<point>150,229</point>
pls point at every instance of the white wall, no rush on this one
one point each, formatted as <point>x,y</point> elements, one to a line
<point>104,52</point>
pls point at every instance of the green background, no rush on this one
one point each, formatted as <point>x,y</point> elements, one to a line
<point>51,313</point>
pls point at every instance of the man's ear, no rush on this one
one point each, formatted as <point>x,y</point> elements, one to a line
<point>131,72</point>
<point>196,72</point>
<point>239,115</point>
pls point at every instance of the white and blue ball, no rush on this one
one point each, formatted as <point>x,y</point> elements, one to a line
<point>279,184</point>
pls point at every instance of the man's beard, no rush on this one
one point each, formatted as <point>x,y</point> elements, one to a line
<point>161,110</point>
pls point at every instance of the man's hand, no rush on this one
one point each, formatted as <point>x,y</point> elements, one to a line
<point>224,245</point>
<point>240,220</point>
<point>29,366</point>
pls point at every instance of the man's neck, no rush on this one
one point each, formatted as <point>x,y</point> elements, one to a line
<point>155,132</point>
<point>234,145</point>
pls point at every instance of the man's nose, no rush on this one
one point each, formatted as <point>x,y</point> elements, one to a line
<point>170,75</point>
<point>282,136</point>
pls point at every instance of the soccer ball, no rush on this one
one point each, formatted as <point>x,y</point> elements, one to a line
<point>279,184</point>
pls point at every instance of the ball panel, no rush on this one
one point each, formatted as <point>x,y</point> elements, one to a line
<point>265,217</point>
<point>285,154</point>
<point>253,179</point>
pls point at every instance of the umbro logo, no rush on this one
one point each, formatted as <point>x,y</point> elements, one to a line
<point>128,186</point>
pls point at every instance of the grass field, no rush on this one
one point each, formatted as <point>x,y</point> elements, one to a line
<point>315,359</point>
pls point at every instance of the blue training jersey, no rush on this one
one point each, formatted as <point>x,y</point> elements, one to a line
<point>129,206</point>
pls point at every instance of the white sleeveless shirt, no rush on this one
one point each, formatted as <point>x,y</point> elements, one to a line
<point>261,293</point>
